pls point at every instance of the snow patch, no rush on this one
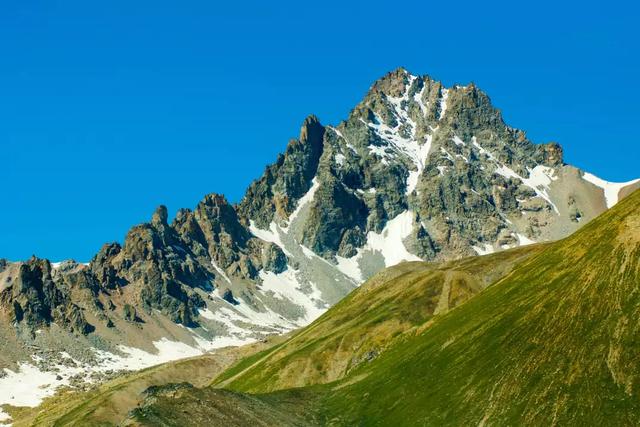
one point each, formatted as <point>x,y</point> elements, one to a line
<point>443,103</point>
<point>380,152</point>
<point>524,240</point>
<point>285,285</point>
<point>447,155</point>
<point>456,139</point>
<point>402,138</point>
<point>207,314</point>
<point>262,318</point>
<point>272,235</point>
<point>611,189</point>
<point>486,249</point>
<point>167,351</point>
<point>220,271</point>
<point>307,252</point>
<point>337,132</point>
<point>418,99</point>
<point>307,198</point>
<point>389,241</point>
<point>539,179</point>
<point>29,385</point>
<point>350,268</point>
<point>56,265</point>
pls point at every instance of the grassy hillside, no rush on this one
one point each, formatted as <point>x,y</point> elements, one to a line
<point>362,326</point>
<point>179,405</point>
<point>356,331</point>
<point>554,340</point>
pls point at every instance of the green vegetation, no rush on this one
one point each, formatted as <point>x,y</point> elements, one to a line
<point>182,405</point>
<point>554,340</point>
<point>364,324</point>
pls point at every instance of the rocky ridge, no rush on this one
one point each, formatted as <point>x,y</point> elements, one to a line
<point>418,171</point>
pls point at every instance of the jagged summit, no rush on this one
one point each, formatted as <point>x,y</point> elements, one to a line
<point>160,216</point>
<point>417,171</point>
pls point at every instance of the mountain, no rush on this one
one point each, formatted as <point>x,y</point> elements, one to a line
<point>551,341</point>
<point>417,172</point>
<point>360,327</point>
<point>357,330</point>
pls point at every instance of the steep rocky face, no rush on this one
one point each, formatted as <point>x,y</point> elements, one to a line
<point>274,195</point>
<point>417,171</point>
<point>228,242</point>
<point>32,299</point>
<point>165,273</point>
<point>438,171</point>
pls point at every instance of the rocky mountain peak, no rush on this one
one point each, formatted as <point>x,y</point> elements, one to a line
<point>311,132</point>
<point>215,200</point>
<point>392,84</point>
<point>219,222</point>
<point>274,195</point>
<point>552,154</point>
<point>35,299</point>
<point>446,156</point>
<point>416,171</point>
<point>160,216</point>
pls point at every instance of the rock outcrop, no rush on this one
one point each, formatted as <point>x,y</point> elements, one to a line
<point>33,299</point>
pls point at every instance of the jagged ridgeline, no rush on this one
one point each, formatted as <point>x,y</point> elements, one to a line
<point>418,171</point>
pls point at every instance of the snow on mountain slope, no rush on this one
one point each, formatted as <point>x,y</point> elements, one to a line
<point>611,189</point>
<point>30,383</point>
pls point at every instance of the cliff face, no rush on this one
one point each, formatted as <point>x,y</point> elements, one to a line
<point>33,298</point>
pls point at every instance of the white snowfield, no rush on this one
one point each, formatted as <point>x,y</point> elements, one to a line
<point>285,285</point>
<point>400,144</point>
<point>611,189</point>
<point>390,240</point>
<point>29,385</point>
<point>389,243</point>
<point>56,265</point>
<point>539,180</point>
<point>485,249</point>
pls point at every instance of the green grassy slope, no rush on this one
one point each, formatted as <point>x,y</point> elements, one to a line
<point>557,341</point>
<point>361,327</point>
<point>398,301</point>
<point>181,405</point>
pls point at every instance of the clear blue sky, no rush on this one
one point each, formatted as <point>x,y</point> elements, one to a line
<point>110,108</point>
